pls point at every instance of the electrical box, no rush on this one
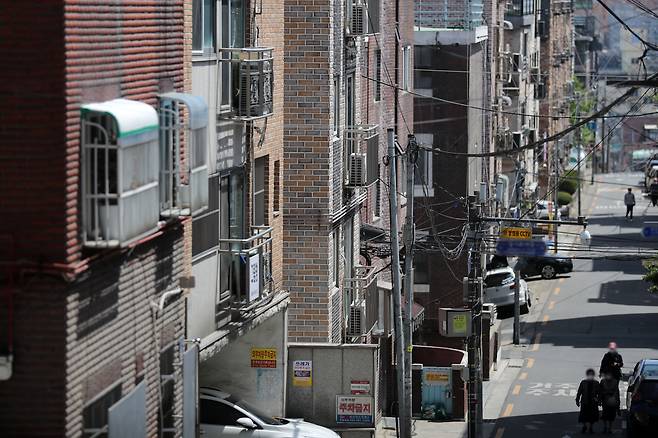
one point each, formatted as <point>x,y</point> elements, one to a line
<point>455,322</point>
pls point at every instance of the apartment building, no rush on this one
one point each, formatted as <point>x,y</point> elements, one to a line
<point>238,307</point>
<point>521,72</point>
<point>102,151</point>
<point>450,61</point>
<point>586,42</point>
<point>555,87</point>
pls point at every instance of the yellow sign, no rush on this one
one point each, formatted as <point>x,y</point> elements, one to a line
<point>459,324</point>
<point>516,233</point>
<point>435,376</point>
<point>302,373</point>
<point>263,357</point>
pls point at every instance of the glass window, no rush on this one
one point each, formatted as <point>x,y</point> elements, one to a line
<point>277,186</point>
<point>336,255</point>
<point>495,280</point>
<point>407,68</point>
<point>421,268</point>
<point>203,26</point>
<point>167,400</point>
<point>205,226</point>
<point>260,192</point>
<point>373,16</point>
<point>94,415</point>
<point>378,193</point>
<point>336,103</point>
<point>378,75</point>
<point>231,226</point>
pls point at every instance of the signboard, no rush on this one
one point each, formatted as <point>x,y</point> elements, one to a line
<point>454,323</point>
<point>354,409</point>
<point>521,248</point>
<point>302,373</point>
<point>360,387</point>
<point>436,375</point>
<point>650,231</point>
<point>263,358</point>
<point>516,233</point>
<point>254,277</point>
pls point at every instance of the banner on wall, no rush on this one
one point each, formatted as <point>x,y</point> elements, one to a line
<point>302,373</point>
<point>263,358</point>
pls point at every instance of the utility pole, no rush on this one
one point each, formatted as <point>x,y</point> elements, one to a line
<point>474,302</point>
<point>556,171</point>
<point>517,307</point>
<point>411,154</point>
<point>397,295</point>
<point>578,146</point>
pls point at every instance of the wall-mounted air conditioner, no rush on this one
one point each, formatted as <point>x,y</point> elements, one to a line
<point>357,170</point>
<point>358,21</point>
<point>356,324</point>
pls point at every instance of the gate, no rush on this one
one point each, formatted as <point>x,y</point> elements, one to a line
<point>437,393</point>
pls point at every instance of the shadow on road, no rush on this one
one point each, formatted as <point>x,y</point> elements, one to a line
<point>626,292</point>
<point>554,425</point>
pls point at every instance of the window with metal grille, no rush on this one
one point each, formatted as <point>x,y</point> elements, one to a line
<point>260,191</point>
<point>205,226</point>
<point>277,187</point>
<point>336,103</point>
<point>94,414</point>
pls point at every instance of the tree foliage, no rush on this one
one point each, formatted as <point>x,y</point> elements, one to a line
<point>651,275</point>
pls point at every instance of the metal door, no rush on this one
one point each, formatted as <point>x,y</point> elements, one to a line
<point>437,393</point>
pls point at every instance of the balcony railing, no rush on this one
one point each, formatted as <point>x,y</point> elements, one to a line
<point>248,264</point>
<point>251,81</point>
<point>449,14</point>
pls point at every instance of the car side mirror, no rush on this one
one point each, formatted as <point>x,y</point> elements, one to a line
<point>246,422</point>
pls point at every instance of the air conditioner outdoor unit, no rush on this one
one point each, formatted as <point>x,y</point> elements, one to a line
<point>356,325</point>
<point>359,21</point>
<point>357,170</point>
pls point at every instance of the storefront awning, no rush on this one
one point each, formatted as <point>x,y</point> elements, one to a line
<point>137,122</point>
<point>196,105</point>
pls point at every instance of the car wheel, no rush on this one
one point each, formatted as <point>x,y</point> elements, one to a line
<point>548,272</point>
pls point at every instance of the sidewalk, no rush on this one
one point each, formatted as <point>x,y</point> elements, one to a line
<point>425,429</point>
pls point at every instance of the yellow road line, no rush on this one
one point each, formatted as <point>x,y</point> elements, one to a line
<point>500,432</point>
<point>545,320</point>
<point>523,376</point>
<point>516,390</point>
<point>508,410</point>
<point>557,291</point>
<point>531,363</point>
<point>551,305</point>
<point>535,346</point>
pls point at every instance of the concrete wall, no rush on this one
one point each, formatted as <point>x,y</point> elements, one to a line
<point>230,369</point>
<point>334,367</point>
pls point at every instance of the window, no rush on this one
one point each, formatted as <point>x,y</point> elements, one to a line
<point>205,226</point>
<point>348,246</point>
<point>277,186</point>
<point>232,36</point>
<point>218,413</point>
<point>260,191</point>
<point>378,75</point>
<point>525,44</point>
<point>424,173</point>
<point>231,226</point>
<point>167,400</point>
<point>373,16</point>
<point>335,235</point>
<point>350,102</point>
<point>203,26</point>
<point>94,415</point>
<point>336,104</point>
<point>421,268</point>
<point>407,68</point>
<point>377,210</point>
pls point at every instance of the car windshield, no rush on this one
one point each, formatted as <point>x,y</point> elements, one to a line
<point>494,280</point>
<point>650,390</point>
<point>650,369</point>
<point>256,412</point>
<point>541,207</point>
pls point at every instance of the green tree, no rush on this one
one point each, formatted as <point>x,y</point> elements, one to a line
<point>651,275</point>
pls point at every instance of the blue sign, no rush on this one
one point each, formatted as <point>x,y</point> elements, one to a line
<point>510,248</point>
<point>591,125</point>
<point>650,231</point>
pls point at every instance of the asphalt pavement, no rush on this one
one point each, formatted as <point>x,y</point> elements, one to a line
<point>576,315</point>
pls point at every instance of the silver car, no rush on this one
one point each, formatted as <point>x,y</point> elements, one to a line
<point>499,287</point>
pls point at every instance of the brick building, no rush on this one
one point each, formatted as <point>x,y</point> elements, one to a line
<point>238,308</point>
<point>100,150</point>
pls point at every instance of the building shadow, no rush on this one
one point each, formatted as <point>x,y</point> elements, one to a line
<point>625,292</point>
<point>550,425</point>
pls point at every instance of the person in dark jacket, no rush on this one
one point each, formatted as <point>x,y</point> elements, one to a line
<point>587,399</point>
<point>612,362</point>
<point>653,192</point>
<point>609,395</point>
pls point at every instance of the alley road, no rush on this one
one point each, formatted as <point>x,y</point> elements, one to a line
<point>602,301</point>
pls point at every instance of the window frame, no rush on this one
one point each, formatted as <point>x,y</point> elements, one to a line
<point>205,50</point>
<point>102,431</point>
<point>336,256</point>
<point>425,168</point>
<point>336,110</point>
<point>407,69</point>
<point>378,75</point>
<point>259,194</point>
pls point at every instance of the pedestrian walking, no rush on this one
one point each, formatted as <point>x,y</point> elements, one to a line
<point>609,395</point>
<point>612,363</point>
<point>629,200</point>
<point>587,399</point>
<point>585,237</point>
<point>653,192</point>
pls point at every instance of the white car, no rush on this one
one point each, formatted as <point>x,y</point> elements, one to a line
<point>223,415</point>
<point>499,289</point>
<point>542,211</point>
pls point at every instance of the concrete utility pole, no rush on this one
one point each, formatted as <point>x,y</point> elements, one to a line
<point>474,302</point>
<point>517,307</point>
<point>556,207</point>
<point>398,337</point>
<point>578,148</point>
<point>412,155</point>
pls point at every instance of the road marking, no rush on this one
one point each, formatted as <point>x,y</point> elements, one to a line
<point>523,376</point>
<point>551,305</point>
<point>516,390</point>
<point>561,280</point>
<point>531,363</point>
<point>557,291</point>
<point>508,410</point>
<point>535,346</point>
<point>545,320</point>
<point>500,432</point>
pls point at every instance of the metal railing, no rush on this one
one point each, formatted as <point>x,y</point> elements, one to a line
<point>449,14</point>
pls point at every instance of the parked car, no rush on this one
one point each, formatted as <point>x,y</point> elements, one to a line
<point>497,261</point>
<point>644,368</point>
<point>548,266</point>
<point>542,210</point>
<point>499,289</point>
<point>223,415</point>
<point>642,407</point>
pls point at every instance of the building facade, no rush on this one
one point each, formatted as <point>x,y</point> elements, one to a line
<point>99,158</point>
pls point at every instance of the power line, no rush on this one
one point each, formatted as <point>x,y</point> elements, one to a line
<point>647,44</point>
